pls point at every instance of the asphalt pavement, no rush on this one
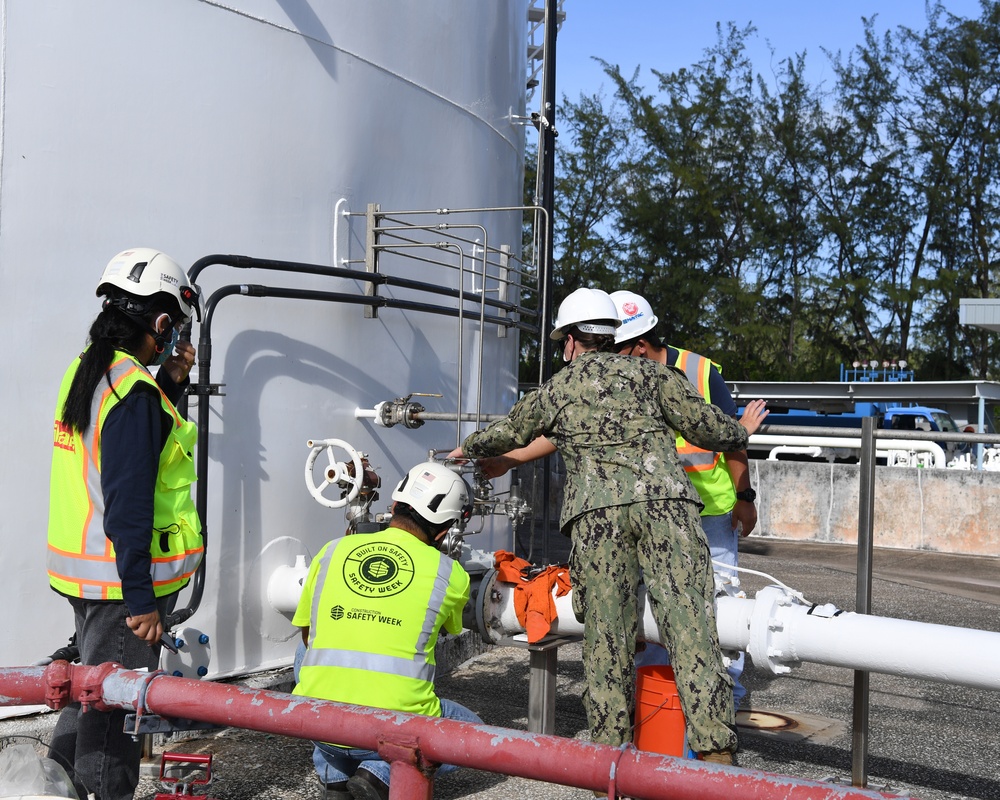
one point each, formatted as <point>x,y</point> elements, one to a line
<point>928,740</point>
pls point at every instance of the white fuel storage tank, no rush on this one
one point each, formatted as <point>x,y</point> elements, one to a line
<point>267,128</point>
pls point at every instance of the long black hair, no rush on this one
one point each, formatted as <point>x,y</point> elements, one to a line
<point>111,330</point>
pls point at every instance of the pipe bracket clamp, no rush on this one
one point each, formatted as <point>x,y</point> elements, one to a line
<point>406,750</point>
<point>92,685</point>
<point>140,703</point>
<point>57,684</point>
<point>613,770</point>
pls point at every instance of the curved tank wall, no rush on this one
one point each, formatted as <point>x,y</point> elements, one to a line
<point>200,127</point>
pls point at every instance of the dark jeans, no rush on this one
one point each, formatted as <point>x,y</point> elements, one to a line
<point>93,746</point>
<point>335,764</point>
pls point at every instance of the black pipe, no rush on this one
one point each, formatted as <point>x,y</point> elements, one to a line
<point>246,262</point>
<point>547,179</point>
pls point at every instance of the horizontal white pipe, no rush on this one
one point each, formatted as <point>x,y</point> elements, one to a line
<point>851,443</point>
<point>813,451</point>
<point>779,630</point>
<point>826,635</point>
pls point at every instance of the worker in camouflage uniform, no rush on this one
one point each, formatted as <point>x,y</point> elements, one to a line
<point>628,505</point>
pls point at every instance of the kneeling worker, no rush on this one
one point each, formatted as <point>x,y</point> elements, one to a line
<point>371,610</point>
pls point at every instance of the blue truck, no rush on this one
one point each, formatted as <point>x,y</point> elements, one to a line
<point>832,447</point>
<point>913,418</point>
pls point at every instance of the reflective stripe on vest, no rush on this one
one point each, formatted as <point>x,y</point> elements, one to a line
<point>81,558</point>
<point>697,369</point>
<point>374,605</point>
<point>706,469</point>
<point>419,667</point>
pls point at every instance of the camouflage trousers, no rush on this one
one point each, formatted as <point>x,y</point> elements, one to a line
<point>664,538</point>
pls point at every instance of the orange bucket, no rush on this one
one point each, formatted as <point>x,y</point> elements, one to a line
<point>659,720</point>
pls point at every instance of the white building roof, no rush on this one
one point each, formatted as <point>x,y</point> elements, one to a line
<point>981,313</point>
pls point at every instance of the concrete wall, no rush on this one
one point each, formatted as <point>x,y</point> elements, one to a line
<point>949,511</point>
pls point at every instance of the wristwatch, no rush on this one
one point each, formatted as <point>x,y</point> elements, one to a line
<point>747,494</point>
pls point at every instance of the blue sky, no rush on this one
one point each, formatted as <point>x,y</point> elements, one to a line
<point>669,34</point>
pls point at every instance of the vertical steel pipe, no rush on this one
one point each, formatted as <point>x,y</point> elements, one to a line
<point>866,545</point>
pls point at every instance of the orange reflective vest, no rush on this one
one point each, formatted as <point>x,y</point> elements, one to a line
<point>81,558</point>
<point>706,469</point>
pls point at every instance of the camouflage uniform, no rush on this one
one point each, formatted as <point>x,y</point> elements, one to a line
<point>629,505</point>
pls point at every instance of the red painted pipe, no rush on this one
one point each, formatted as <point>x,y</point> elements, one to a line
<point>407,782</point>
<point>412,743</point>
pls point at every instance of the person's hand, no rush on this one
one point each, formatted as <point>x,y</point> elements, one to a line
<point>180,362</point>
<point>146,626</point>
<point>490,467</point>
<point>495,466</point>
<point>744,517</point>
<point>753,415</point>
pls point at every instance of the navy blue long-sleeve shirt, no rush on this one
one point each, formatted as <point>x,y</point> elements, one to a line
<point>132,439</point>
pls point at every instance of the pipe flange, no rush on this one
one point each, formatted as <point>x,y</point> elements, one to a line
<point>765,622</point>
<point>488,609</point>
<point>401,411</point>
<point>409,412</point>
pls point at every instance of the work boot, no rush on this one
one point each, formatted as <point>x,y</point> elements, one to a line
<point>365,786</point>
<point>717,757</point>
<point>336,791</point>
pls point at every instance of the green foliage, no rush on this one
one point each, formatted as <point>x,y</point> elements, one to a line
<point>785,228</point>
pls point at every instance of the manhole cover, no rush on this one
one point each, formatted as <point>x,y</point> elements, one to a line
<point>766,721</point>
<point>789,725</point>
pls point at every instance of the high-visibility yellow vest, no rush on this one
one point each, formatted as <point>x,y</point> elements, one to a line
<point>374,604</point>
<point>81,558</point>
<point>705,468</point>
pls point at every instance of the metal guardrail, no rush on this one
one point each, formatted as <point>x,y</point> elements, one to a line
<point>882,433</point>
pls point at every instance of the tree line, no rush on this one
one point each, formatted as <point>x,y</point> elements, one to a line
<point>784,227</point>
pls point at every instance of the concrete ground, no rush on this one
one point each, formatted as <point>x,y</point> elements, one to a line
<point>927,740</point>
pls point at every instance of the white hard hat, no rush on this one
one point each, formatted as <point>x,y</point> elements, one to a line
<point>590,310</point>
<point>143,272</point>
<point>435,492</point>
<point>635,313</point>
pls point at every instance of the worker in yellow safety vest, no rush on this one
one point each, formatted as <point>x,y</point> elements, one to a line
<point>371,609</point>
<point>124,536</point>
